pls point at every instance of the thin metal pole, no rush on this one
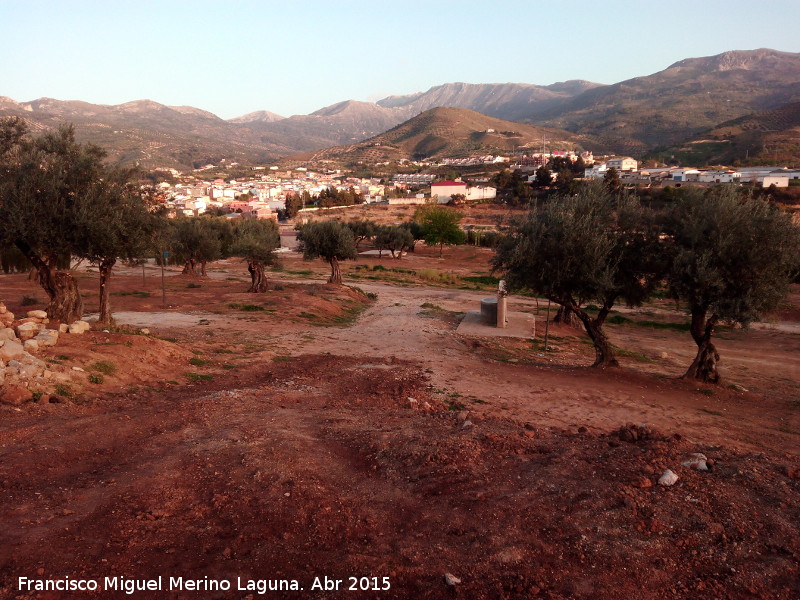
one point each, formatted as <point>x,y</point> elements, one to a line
<point>163,284</point>
<point>547,326</point>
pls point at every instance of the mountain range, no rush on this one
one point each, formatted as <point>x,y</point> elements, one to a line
<point>662,111</point>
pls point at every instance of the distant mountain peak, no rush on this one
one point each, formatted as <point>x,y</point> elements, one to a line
<point>735,59</point>
<point>259,116</point>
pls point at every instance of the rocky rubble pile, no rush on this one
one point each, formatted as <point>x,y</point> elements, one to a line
<point>22,374</point>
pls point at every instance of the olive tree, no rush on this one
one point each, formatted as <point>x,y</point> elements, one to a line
<point>439,225</point>
<point>733,257</point>
<point>329,240</point>
<point>47,184</point>
<point>119,225</point>
<point>395,239</point>
<point>198,241</point>
<point>255,240</point>
<point>595,247</point>
<point>363,229</point>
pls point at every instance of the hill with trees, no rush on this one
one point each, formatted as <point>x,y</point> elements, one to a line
<point>452,132</point>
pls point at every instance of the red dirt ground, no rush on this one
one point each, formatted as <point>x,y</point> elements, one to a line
<point>281,444</point>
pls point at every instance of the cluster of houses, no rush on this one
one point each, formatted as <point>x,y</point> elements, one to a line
<point>264,195</point>
<point>629,172</point>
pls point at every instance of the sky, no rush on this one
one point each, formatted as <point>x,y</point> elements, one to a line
<point>294,57</point>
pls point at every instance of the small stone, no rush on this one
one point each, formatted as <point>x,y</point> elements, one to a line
<point>643,482</point>
<point>63,328</point>
<point>462,415</point>
<point>144,331</point>
<point>466,425</point>
<point>668,478</point>
<point>412,402</point>
<point>451,579</point>
<point>739,388</point>
<point>6,333</point>
<point>663,356</point>
<point>27,331</point>
<point>31,346</point>
<point>11,350</point>
<point>78,369</point>
<point>79,327</point>
<point>48,337</point>
<point>37,314</point>
<point>696,460</point>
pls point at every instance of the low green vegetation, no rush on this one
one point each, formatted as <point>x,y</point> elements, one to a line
<point>198,377</point>
<point>247,307</point>
<point>105,367</point>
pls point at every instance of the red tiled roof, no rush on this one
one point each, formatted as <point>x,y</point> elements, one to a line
<point>449,183</point>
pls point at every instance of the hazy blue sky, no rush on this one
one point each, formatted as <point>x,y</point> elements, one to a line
<point>294,57</point>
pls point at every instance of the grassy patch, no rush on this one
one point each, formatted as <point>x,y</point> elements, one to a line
<point>246,307</point>
<point>193,286</point>
<point>282,358</point>
<point>483,280</point>
<point>135,294</point>
<point>29,301</point>
<point>716,413</point>
<point>169,339</point>
<point>637,356</point>
<point>198,362</point>
<point>62,389</point>
<point>436,276</point>
<point>619,320</point>
<point>106,367</point>
<point>198,377</point>
<point>705,391</point>
<point>96,378</point>
<point>661,325</point>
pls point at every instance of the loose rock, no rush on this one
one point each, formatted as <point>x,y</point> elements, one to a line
<point>451,579</point>
<point>668,478</point>
<point>696,460</point>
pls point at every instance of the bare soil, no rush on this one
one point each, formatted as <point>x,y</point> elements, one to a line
<point>281,444</point>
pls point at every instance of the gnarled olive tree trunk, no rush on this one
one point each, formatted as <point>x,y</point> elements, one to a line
<point>106,265</point>
<point>336,274</point>
<point>704,367</point>
<point>565,316</point>
<point>61,287</point>
<point>258,280</point>
<point>190,268</point>
<point>604,355</point>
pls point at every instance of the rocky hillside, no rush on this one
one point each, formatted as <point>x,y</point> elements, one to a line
<point>451,132</point>
<point>674,105</point>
